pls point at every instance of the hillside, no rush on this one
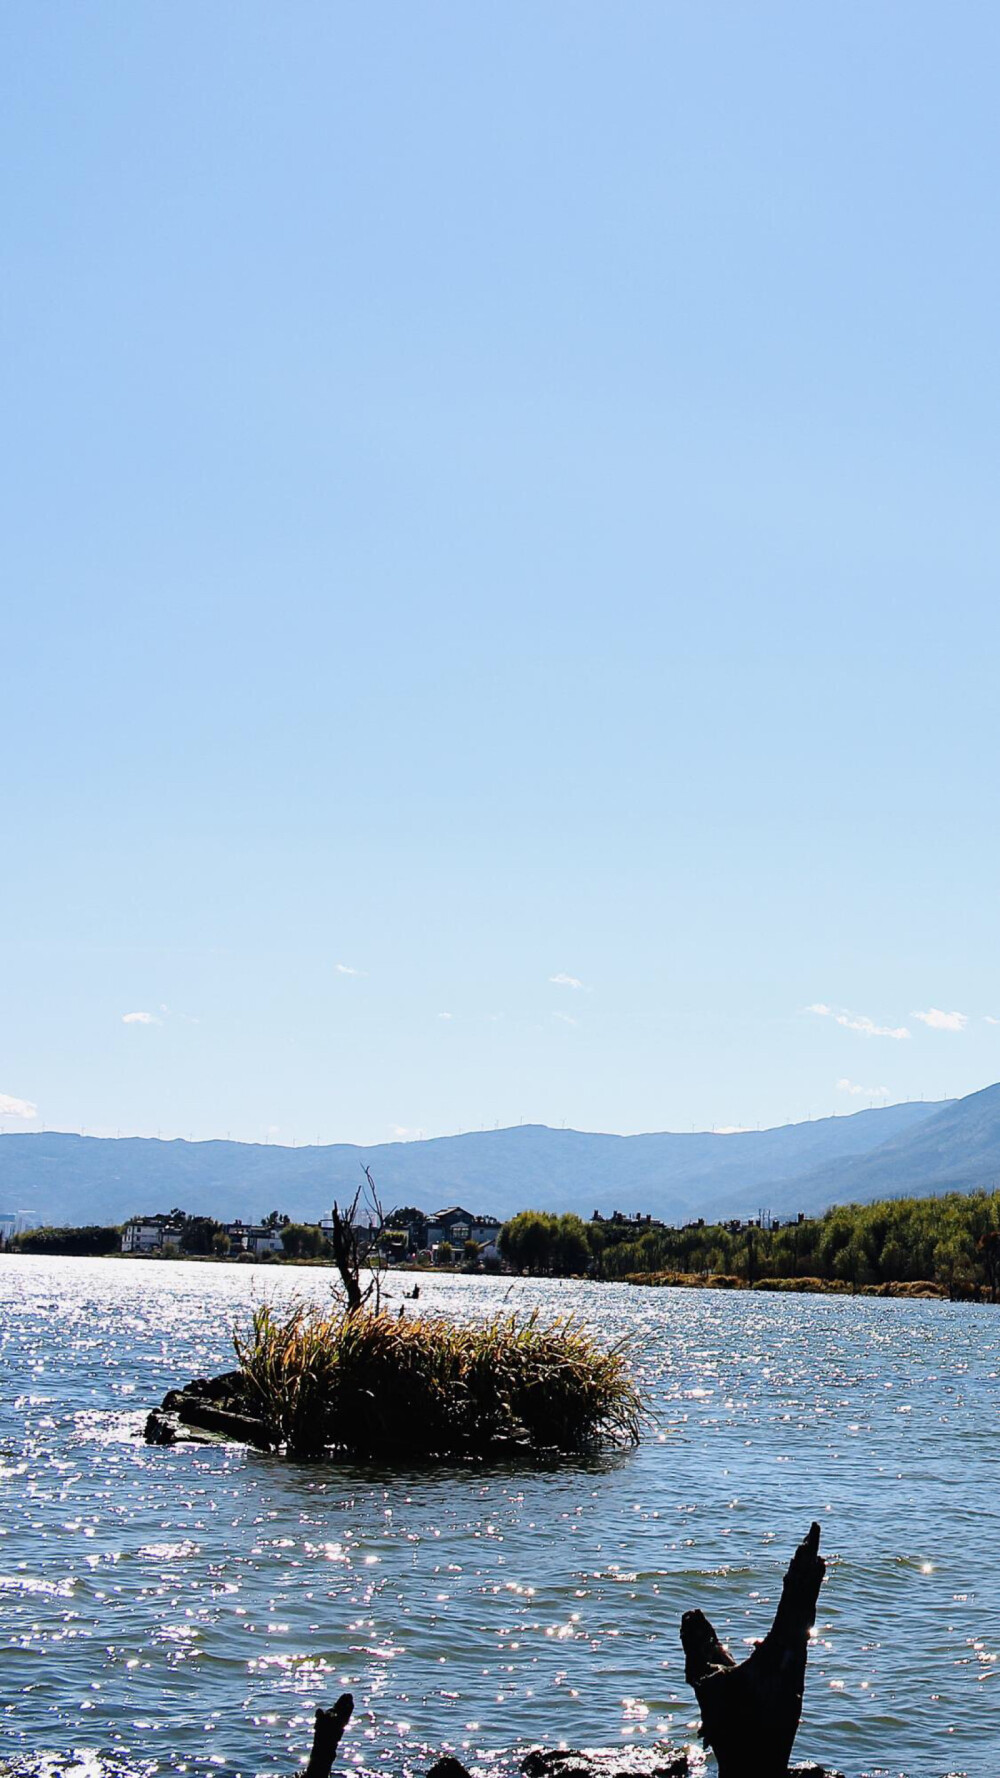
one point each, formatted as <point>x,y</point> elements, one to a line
<point>67,1179</point>
<point>956,1149</point>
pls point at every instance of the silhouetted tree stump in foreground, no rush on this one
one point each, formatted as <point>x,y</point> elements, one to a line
<point>329,1727</point>
<point>750,1713</point>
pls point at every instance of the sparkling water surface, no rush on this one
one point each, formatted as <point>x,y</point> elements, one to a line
<point>186,1609</point>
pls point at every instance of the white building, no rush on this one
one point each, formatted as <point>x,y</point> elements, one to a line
<point>148,1234</point>
<point>252,1237</point>
<point>261,1240</point>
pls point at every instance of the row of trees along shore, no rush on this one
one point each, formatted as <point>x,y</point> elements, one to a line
<point>951,1242</point>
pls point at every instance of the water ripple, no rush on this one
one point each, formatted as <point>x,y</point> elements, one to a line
<point>188,1608</point>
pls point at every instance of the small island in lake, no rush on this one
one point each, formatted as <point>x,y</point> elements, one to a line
<point>366,1383</point>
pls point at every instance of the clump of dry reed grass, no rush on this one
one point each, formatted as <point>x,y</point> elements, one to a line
<point>372,1384</point>
<point>687,1280</point>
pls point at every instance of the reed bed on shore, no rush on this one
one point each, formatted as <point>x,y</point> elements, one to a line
<point>686,1280</point>
<point>371,1384</point>
<point>919,1287</point>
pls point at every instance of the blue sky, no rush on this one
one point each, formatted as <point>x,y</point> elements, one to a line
<point>494,499</point>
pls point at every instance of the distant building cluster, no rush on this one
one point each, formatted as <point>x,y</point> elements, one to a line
<point>13,1223</point>
<point>151,1234</point>
<point>639,1218</point>
<point>407,1234</point>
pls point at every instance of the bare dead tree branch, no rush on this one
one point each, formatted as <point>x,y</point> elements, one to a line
<point>350,1255</point>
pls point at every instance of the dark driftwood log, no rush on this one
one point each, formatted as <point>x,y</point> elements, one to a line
<point>750,1713</point>
<point>330,1725</point>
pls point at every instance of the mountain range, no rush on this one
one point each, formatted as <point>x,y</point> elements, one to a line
<point>897,1150</point>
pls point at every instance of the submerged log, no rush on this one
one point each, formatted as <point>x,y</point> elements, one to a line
<point>244,1429</point>
<point>207,1409</point>
<point>750,1713</point>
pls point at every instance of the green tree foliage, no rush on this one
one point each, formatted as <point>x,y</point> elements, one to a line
<point>394,1243</point>
<point>89,1241</point>
<point>197,1234</point>
<point>403,1216</point>
<point>524,1240</point>
<point>534,1241</point>
<point>304,1240</point>
<point>952,1240</point>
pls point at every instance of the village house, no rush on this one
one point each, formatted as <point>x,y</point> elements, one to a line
<point>456,1226</point>
<point>253,1237</point>
<point>149,1234</point>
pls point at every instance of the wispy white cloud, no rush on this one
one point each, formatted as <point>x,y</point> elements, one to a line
<point>730,1129</point>
<point>988,1019</point>
<point>345,969</point>
<point>942,1021</point>
<point>22,1108</point>
<point>154,1018</point>
<point>444,1015</point>
<point>565,1018</point>
<point>868,1027</point>
<point>857,1021</point>
<point>851,1086</point>
<point>403,1133</point>
<point>562,980</point>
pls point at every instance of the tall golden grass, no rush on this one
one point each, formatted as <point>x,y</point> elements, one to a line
<point>371,1384</point>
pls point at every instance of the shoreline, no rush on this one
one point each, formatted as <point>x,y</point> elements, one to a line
<point>900,1290</point>
<point>915,1290</point>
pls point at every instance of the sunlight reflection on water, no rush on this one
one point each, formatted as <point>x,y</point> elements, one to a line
<point>189,1608</point>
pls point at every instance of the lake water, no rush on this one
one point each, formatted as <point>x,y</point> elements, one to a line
<point>188,1608</point>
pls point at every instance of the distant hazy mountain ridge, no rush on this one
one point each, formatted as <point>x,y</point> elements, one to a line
<point>914,1149</point>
